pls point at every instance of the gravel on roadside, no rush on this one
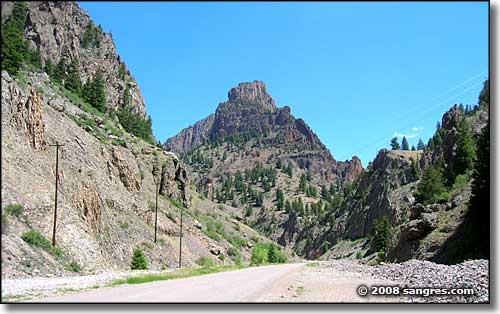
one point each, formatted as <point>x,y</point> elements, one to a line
<point>44,286</point>
<point>424,274</point>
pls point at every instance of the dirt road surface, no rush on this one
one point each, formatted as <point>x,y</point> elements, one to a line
<point>276,283</point>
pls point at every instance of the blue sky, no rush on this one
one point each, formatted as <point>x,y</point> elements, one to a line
<point>357,72</point>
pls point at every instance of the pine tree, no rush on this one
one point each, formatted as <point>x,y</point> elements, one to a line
<point>59,73</point>
<point>280,199</point>
<point>73,82</point>
<point>49,67</point>
<point>465,153</point>
<point>99,99</point>
<point>405,145</point>
<point>480,201</point>
<point>431,186</point>
<point>289,169</point>
<point>303,183</point>
<point>93,92</point>
<point>394,143</point>
<point>420,145</point>
<point>14,47</point>
<point>138,260</point>
<point>413,148</point>
<point>35,59</point>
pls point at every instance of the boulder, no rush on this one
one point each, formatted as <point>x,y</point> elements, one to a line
<point>415,211</point>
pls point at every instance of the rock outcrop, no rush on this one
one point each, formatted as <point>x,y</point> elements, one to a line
<point>56,29</point>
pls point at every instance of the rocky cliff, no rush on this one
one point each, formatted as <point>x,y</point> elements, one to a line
<point>56,29</point>
<point>248,134</point>
<point>106,201</point>
<point>387,189</point>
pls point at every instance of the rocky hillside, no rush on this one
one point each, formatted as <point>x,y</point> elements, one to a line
<point>258,157</point>
<point>423,198</point>
<point>64,31</point>
<point>108,177</point>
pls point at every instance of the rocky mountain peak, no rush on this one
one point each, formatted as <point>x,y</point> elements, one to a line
<point>254,92</point>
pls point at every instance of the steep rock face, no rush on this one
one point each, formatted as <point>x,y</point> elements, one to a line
<point>103,204</point>
<point>57,28</point>
<point>254,92</point>
<point>190,137</point>
<point>385,188</point>
<point>27,115</point>
<point>380,192</point>
<point>250,113</point>
<point>248,130</point>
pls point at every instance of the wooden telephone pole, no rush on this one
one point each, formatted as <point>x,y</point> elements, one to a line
<point>57,145</point>
<point>180,243</point>
<point>156,206</point>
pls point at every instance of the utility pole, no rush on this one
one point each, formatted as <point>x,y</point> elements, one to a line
<point>57,188</point>
<point>156,207</point>
<point>180,243</point>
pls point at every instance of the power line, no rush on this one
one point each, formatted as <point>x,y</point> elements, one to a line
<point>431,109</point>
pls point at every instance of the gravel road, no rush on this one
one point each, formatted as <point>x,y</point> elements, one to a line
<point>331,281</point>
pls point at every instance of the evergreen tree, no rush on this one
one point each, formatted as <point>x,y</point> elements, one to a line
<point>266,185</point>
<point>303,183</point>
<point>480,201</point>
<point>135,124</point>
<point>59,73</point>
<point>414,169</point>
<point>138,260</point>
<point>14,47</point>
<point>35,59</point>
<point>73,82</point>
<point>431,186</point>
<point>381,234</point>
<point>49,67</point>
<point>465,153</point>
<point>99,95</point>
<point>413,148</point>
<point>394,143</point>
<point>404,143</point>
<point>259,199</point>
<point>332,189</point>
<point>280,199</point>
<point>93,92</point>
<point>289,170</point>
<point>420,145</point>
<point>288,206</point>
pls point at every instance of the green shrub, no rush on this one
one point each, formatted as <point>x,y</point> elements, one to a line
<point>381,256</point>
<point>14,209</point>
<point>34,238</point>
<point>124,225</point>
<point>205,262</point>
<point>359,255</point>
<point>221,257</point>
<point>138,260</point>
<point>259,254</point>
<point>73,267</point>
<point>236,241</point>
<point>274,254</point>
